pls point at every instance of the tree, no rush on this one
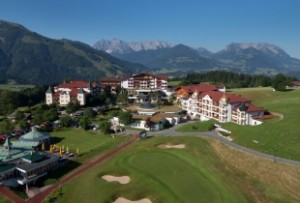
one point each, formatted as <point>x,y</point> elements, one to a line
<point>119,90</point>
<point>23,124</point>
<point>280,82</point>
<point>122,98</point>
<point>149,123</point>
<point>125,117</point>
<point>19,115</point>
<point>38,118</point>
<point>89,112</point>
<point>108,101</point>
<point>6,126</point>
<point>85,122</point>
<point>105,127</point>
<point>50,115</point>
<point>72,107</point>
<point>8,102</point>
<point>65,121</point>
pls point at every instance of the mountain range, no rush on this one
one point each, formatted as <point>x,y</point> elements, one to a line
<point>122,47</point>
<point>250,58</point>
<point>27,57</point>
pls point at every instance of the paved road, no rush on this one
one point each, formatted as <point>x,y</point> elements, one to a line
<point>214,135</point>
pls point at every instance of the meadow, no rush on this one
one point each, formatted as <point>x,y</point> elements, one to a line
<point>14,87</point>
<point>278,136</point>
<point>192,174</point>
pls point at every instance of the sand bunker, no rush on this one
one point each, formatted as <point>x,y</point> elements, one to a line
<point>168,146</point>
<point>123,200</point>
<point>122,179</point>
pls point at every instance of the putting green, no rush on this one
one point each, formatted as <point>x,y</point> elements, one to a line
<point>178,178</point>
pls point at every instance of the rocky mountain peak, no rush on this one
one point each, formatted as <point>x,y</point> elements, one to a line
<point>116,46</point>
<point>262,47</point>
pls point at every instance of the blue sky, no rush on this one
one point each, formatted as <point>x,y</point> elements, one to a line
<point>211,24</point>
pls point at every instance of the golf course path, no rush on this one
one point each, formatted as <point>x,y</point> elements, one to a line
<point>214,135</point>
<point>41,196</point>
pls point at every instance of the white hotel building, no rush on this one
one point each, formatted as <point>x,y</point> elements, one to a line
<point>223,107</point>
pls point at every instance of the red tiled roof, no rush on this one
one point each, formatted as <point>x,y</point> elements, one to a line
<point>268,116</point>
<point>231,98</point>
<point>74,92</point>
<point>249,107</point>
<point>155,118</point>
<point>162,77</point>
<point>56,94</point>
<point>252,108</point>
<point>296,83</point>
<point>202,87</point>
<point>74,84</point>
<point>113,79</point>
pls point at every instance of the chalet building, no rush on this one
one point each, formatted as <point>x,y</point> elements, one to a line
<point>74,91</point>
<point>295,84</point>
<point>188,90</point>
<point>112,82</point>
<point>222,106</point>
<point>146,87</point>
<point>143,87</point>
<point>150,121</point>
<point>138,81</point>
<point>146,81</point>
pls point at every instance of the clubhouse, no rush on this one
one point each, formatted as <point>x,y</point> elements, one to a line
<point>21,163</point>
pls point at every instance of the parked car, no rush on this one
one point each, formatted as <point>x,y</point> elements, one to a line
<point>77,114</point>
<point>2,137</point>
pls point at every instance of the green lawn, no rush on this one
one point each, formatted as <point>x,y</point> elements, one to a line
<point>14,87</point>
<point>197,126</point>
<point>174,83</point>
<point>3,199</point>
<point>279,136</point>
<point>89,143</point>
<point>193,174</point>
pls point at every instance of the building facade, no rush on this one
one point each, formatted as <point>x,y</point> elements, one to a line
<point>22,164</point>
<point>75,91</point>
<point>223,107</point>
<point>143,87</point>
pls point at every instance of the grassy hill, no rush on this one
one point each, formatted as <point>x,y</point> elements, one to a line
<point>279,136</point>
<point>27,57</point>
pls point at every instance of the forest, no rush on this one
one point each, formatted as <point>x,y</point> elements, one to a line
<point>237,80</point>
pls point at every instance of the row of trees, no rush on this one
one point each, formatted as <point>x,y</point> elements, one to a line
<point>237,80</point>
<point>10,100</point>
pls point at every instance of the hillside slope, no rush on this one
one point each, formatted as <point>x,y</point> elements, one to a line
<point>27,57</point>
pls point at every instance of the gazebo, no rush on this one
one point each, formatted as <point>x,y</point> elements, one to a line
<point>36,136</point>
